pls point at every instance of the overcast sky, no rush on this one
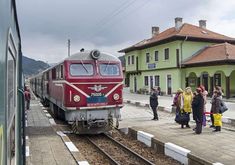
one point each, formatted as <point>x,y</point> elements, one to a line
<point>109,25</point>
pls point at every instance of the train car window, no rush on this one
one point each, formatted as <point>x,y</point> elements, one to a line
<point>109,69</point>
<point>57,72</point>
<point>53,73</point>
<point>61,71</point>
<point>81,69</point>
<point>11,88</point>
<point>11,79</point>
<point>47,75</point>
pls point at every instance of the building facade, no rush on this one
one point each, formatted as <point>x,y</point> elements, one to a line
<point>173,59</point>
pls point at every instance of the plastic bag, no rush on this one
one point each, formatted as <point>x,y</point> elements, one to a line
<point>217,119</point>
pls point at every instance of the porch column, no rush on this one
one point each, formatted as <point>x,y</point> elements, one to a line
<point>227,87</point>
<point>211,86</point>
<point>186,82</point>
<point>198,81</point>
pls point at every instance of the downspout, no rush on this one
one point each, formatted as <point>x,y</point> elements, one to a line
<point>181,58</point>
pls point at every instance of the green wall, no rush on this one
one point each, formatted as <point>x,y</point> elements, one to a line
<point>169,67</point>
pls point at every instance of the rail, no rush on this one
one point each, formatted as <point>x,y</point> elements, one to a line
<point>123,147</point>
<point>111,160</point>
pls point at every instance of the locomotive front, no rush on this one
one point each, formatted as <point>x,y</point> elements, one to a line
<point>92,91</point>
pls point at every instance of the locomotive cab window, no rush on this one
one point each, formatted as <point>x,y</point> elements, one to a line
<point>81,69</point>
<point>109,69</point>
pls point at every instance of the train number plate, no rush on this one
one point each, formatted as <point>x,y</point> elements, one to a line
<point>96,101</point>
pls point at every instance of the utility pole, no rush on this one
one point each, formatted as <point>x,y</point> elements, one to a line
<point>68,47</point>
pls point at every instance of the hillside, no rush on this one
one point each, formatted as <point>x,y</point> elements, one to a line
<point>32,67</point>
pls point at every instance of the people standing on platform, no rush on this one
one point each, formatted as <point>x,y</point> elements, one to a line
<point>177,104</point>
<point>204,95</point>
<point>154,103</point>
<point>186,105</point>
<point>176,100</point>
<point>27,97</point>
<point>159,91</point>
<point>198,109</point>
<point>215,110</point>
<point>216,89</point>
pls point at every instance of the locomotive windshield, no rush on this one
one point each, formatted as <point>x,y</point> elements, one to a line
<point>81,69</point>
<point>109,69</point>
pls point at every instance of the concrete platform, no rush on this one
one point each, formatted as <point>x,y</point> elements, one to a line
<point>43,145</point>
<point>184,145</point>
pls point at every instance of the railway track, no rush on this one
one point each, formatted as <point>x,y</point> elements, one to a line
<point>116,152</point>
<point>104,149</point>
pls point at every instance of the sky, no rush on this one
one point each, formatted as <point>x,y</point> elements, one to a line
<point>109,25</point>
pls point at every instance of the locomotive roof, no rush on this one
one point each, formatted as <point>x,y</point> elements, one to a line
<point>86,56</point>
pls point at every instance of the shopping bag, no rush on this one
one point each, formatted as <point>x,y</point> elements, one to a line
<point>217,119</point>
<point>204,120</point>
<point>223,107</point>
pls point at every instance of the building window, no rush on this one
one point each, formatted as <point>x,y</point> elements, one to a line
<point>156,55</point>
<point>166,53</point>
<point>146,81</point>
<point>132,59</point>
<point>147,57</point>
<point>157,81</point>
<point>177,57</point>
<point>218,79</point>
<point>129,60</point>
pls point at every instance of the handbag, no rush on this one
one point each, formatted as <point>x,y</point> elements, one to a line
<point>223,107</point>
<point>181,117</point>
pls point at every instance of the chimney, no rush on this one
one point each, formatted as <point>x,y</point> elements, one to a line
<point>202,24</point>
<point>178,23</point>
<point>155,31</point>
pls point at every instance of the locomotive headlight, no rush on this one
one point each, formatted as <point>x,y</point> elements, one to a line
<point>116,96</point>
<point>76,98</point>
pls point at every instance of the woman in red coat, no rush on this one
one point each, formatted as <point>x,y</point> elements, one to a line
<point>27,97</point>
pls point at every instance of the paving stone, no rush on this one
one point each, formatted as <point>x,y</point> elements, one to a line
<point>211,146</point>
<point>46,147</point>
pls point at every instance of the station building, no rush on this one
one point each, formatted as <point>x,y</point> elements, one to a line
<point>184,55</point>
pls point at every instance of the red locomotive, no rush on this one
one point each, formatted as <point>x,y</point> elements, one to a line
<point>85,89</point>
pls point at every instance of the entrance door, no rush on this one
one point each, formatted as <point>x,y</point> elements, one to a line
<point>151,82</point>
<point>137,64</point>
<point>169,84</point>
<point>135,85</point>
<point>205,80</point>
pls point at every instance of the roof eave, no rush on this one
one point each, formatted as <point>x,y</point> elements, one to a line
<point>210,63</point>
<point>174,38</point>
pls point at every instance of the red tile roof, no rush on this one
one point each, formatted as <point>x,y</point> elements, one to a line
<point>214,53</point>
<point>186,30</point>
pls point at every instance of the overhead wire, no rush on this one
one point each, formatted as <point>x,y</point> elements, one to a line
<point>129,13</point>
<point>110,18</point>
<point>115,12</point>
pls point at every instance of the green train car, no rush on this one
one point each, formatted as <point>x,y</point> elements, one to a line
<point>11,93</point>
